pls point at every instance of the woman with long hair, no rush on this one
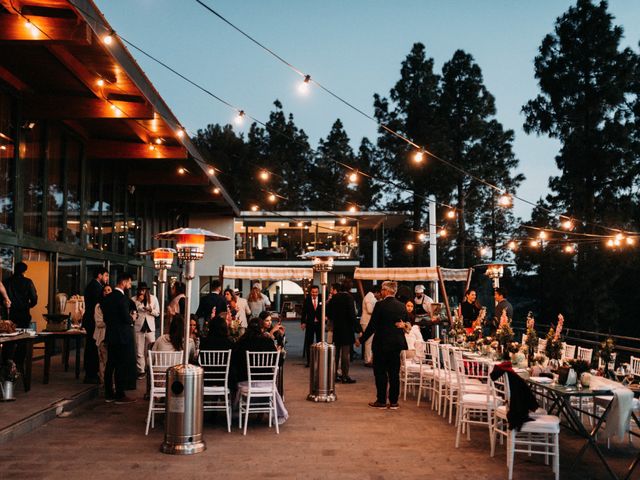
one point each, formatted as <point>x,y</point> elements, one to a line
<point>218,337</point>
<point>173,341</point>
<point>256,302</point>
<point>470,309</point>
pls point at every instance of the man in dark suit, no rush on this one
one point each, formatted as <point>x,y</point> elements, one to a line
<point>388,322</point>
<point>92,295</point>
<point>342,312</point>
<point>311,319</point>
<point>215,300</point>
<point>121,361</point>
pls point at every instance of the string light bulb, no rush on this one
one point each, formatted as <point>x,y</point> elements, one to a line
<point>418,157</point>
<point>353,209</point>
<point>353,177</point>
<point>180,132</point>
<point>505,200</point>
<point>254,208</point>
<point>567,224</point>
<point>422,237</point>
<point>158,141</point>
<point>304,86</point>
<point>542,235</point>
<point>272,198</point>
<point>569,249</point>
<point>100,82</point>
<point>409,247</point>
<point>152,147</point>
<point>343,221</point>
<point>483,251</point>
<point>631,241</point>
<point>182,170</point>
<point>264,175</point>
<point>534,244</point>
<point>512,245</point>
<point>240,117</point>
<point>108,38</point>
<point>299,224</point>
<point>211,171</point>
<point>610,243</point>
<point>451,214</point>
<point>32,28</point>
<point>443,232</point>
<point>216,191</point>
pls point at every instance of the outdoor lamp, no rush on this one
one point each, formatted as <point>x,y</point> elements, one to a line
<point>162,261</point>
<point>322,355</point>
<point>495,271</point>
<point>185,383</point>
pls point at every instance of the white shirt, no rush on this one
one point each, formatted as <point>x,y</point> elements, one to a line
<point>243,311</point>
<point>426,302</point>
<point>368,305</point>
<point>148,313</point>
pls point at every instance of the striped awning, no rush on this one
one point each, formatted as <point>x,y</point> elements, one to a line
<point>268,273</point>
<point>425,274</point>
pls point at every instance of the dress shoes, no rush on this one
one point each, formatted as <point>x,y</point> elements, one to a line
<point>377,404</point>
<point>125,400</point>
<point>348,380</point>
<point>394,406</point>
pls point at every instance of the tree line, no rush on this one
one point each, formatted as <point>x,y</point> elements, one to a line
<point>588,99</point>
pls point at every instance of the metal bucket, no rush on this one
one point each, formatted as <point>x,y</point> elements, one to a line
<point>322,373</point>
<point>7,388</point>
<point>183,411</point>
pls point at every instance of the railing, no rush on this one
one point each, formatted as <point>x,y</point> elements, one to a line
<point>625,346</point>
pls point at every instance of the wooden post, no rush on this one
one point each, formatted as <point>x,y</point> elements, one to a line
<point>468,279</point>
<point>444,294</point>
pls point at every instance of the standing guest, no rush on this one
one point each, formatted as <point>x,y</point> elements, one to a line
<point>174,340</point>
<point>333,290</point>
<point>368,304</point>
<point>121,349</point>
<point>388,322</point>
<point>274,332</point>
<point>342,312</point>
<point>5,296</point>
<point>213,304</point>
<point>256,302</point>
<point>177,305</point>
<point>148,310</point>
<point>93,294</point>
<point>254,340</point>
<point>242,306</point>
<point>22,298</point>
<point>100,332</point>
<point>470,309</point>
<point>265,298</point>
<point>502,304</point>
<point>412,330</point>
<point>218,337</point>
<point>194,333</point>
<point>310,320</point>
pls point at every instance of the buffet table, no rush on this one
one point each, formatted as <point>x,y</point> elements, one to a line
<point>28,340</point>
<point>67,336</point>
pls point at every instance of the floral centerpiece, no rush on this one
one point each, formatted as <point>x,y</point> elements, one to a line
<point>457,332</point>
<point>532,337</point>
<point>553,349</point>
<point>504,334</point>
<point>607,349</point>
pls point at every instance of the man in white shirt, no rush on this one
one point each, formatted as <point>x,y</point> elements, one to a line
<point>422,303</point>
<point>147,309</point>
<point>368,303</point>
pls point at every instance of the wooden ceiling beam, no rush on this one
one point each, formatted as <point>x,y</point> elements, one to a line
<point>113,149</point>
<point>12,6</point>
<point>14,28</point>
<point>12,80</point>
<point>69,108</point>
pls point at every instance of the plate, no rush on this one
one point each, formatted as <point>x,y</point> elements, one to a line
<point>541,379</point>
<point>13,334</point>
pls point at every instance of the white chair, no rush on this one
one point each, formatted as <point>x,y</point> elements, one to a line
<point>216,382</point>
<point>411,368</point>
<point>437,381</point>
<point>259,393</point>
<point>158,363</point>
<point>569,352</point>
<point>476,398</point>
<point>540,436</point>
<point>585,354</point>
<point>428,374</point>
<point>634,366</point>
<point>542,345</point>
<point>612,362</point>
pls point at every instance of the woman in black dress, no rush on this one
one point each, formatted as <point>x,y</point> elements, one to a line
<point>470,309</point>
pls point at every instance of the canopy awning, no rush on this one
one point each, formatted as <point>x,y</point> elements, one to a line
<point>426,274</point>
<point>267,273</point>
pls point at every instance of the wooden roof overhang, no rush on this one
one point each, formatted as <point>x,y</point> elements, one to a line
<point>53,55</point>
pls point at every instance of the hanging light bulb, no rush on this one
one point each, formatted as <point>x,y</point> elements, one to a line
<point>31,27</point>
<point>619,237</point>
<point>152,147</point>
<point>567,224</point>
<point>534,243</point>
<point>542,235</point>
<point>409,246</point>
<point>422,237</point>
<point>272,198</point>
<point>443,232</point>
<point>569,249</point>
<point>610,243</point>
<point>100,82</point>
<point>343,221</point>
<point>512,245</point>
<point>158,141</point>
<point>216,191</point>
<point>350,238</point>
<point>631,241</point>
<point>353,209</point>
<point>353,177</point>
<point>254,208</point>
<point>239,117</point>
<point>483,251</point>
<point>505,200</point>
<point>304,86</point>
<point>451,213</point>
<point>108,38</point>
<point>264,175</point>
<point>182,170</point>
<point>211,171</point>
<point>299,224</point>
<point>180,132</point>
<point>418,157</point>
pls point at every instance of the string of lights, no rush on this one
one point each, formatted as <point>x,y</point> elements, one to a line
<point>420,150</point>
<point>504,200</point>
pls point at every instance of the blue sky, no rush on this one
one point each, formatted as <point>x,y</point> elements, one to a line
<point>353,47</point>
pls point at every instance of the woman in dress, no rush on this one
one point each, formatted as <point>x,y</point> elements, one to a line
<point>256,302</point>
<point>470,309</point>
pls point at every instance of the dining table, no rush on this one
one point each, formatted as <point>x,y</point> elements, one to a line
<point>28,340</point>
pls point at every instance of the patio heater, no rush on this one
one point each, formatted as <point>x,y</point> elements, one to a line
<point>322,374</point>
<point>162,261</point>
<point>184,390</point>
<point>495,271</point>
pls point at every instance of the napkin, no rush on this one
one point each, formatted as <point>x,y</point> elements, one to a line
<point>617,421</point>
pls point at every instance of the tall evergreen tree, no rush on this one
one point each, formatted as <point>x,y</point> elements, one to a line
<point>367,192</point>
<point>586,82</point>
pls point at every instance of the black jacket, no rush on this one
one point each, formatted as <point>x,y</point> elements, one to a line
<point>388,337</point>
<point>522,399</point>
<point>23,296</point>
<point>116,308</point>
<point>342,312</point>
<point>239,355</point>
<point>207,304</point>
<point>309,315</point>
<point>92,296</point>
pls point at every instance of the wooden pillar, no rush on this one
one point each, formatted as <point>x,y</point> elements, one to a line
<point>444,293</point>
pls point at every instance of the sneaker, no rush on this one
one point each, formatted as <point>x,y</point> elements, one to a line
<point>377,404</point>
<point>394,406</point>
<point>125,400</point>
<point>109,399</point>
<point>348,380</point>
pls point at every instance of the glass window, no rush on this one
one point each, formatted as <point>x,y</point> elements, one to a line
<point>7,167</point>
<point>119,230</point>
<point>33,166</point>
<point>73,154</point>
<point>92,215</point>
<point>6,262</point>
<point>55,194</point>
<point>107,205</point>
<point>69,276</point>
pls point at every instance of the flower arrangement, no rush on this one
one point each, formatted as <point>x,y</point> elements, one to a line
<point>457,332</point>
<point>504,333</point>
<point>8,372</point>
<point>553,349</point>
<point>580,366</point>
